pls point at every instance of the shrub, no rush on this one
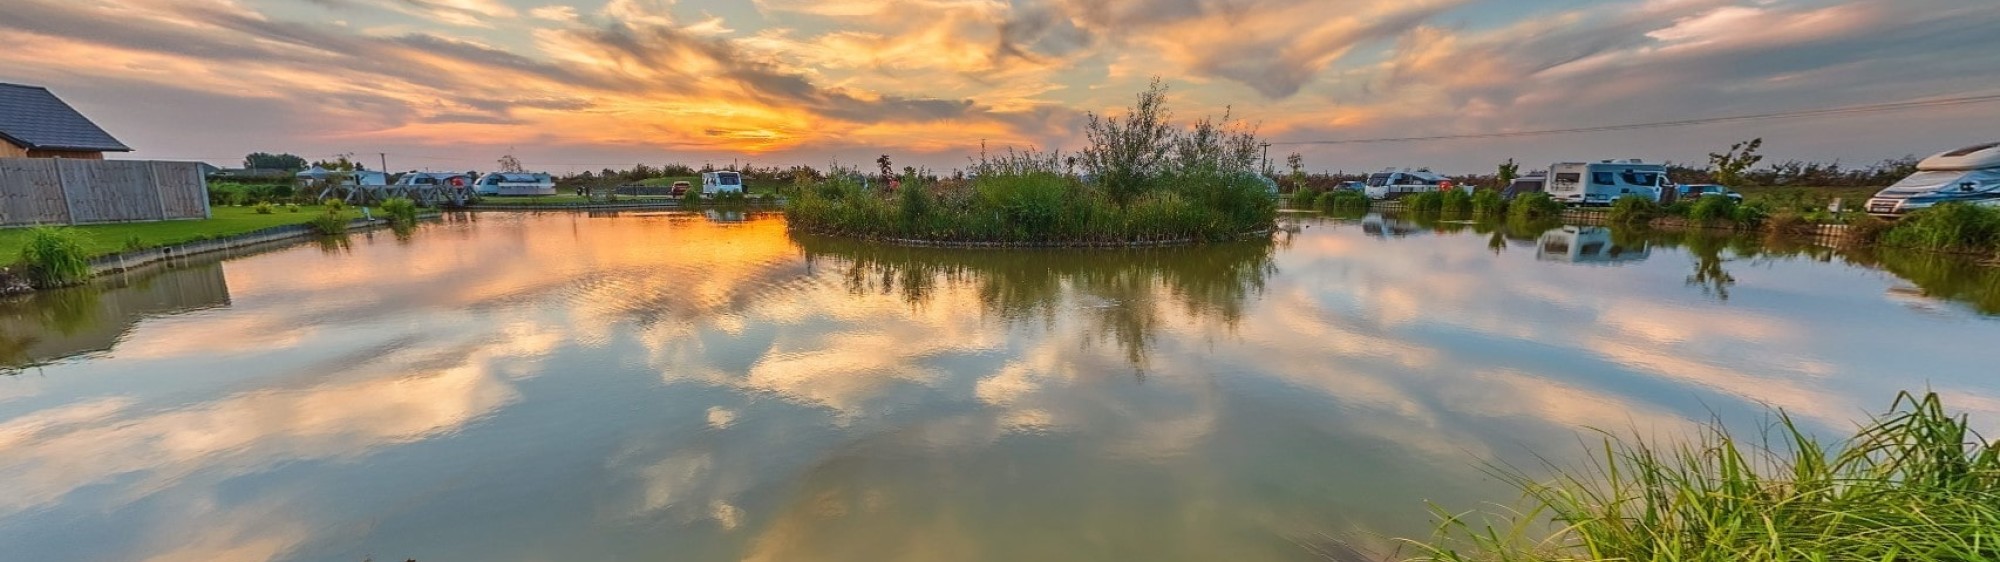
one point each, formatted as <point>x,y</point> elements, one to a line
<point>1342,199</point>
<point>400,211</point>
<point>1749,216</point>
<point>331,222</point>
<point>1634,210</point>
<point>1532,207</point>
<point>263,208</point>
<point>1950,227</point>
<point>1430,203</point>
<point>1488,203</point>
<point>291,208</point>
<point>1711,209</point>
<point>692,197</point>
<point>334,205</point>
<point>1455,201</point>
<point>1680,208</point>
<point>54,257</point>
<point>1866,229</point>
<point>1306,196</point>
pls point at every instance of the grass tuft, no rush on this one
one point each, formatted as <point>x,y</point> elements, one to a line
<point>55,257</point>
<point>1916,485</point>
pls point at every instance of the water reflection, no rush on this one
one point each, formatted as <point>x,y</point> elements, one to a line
<point>53,325</point>
<point>1125,293</point>
<point>638,385</point>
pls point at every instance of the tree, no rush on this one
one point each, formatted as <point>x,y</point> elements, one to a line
<point>1298,164</point>
<point>1729,166</point>
<point>1125,152</point>
<point>1508,171</point>
<point>508,163</point>
<point>341,163</point>
<point>888,168</point>
<point>268,161</point>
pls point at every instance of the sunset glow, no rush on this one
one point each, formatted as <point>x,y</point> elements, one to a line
<point>455,83</point>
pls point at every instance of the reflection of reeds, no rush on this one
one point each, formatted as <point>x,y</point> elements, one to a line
<point>1916,485</point>
<point>1120,291</point>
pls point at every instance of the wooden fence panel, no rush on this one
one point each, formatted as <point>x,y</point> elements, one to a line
<point>31,193</point>
<point>110,190</point>
<point>73,191</point>
<point>183,192</point>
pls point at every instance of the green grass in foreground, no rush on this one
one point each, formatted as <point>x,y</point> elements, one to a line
<point>102,239</point>
<point>1916,485</point>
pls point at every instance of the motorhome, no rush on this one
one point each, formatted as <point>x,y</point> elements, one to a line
<point>1587,245</point>
<point>1535,182</point>
<point>507,184</point>
<point>1968,175</point>
<point>1600,183</point>
<point>1393,183</point>
<point>721,182</point>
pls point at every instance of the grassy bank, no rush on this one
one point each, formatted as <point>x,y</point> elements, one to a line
<point>1914,485</point>
<point>104,239</point>
<point>1144,180</point>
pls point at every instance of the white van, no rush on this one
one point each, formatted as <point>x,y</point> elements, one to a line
<point>1393,184</point>
<point>721,182</point>
<point>1969,175</point>
<point>1600,183</point>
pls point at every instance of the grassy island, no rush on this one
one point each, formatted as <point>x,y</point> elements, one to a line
<point>1142,180</point>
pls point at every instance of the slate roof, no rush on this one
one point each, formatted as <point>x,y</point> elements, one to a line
<point>32,117</point>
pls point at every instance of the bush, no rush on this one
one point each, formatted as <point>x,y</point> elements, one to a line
<point>1749,216</point>
<point>1306,196</point>
<point>1712,209</point>
<point>692,197</point>
<point>263,208</point>
<point>1488,203</point>
<point>1533,207</point>
<point>1429,203</point>
<point>1342,199</point>
<point>1951,227</point>
<point>334,205</point>
<point>400,211</point>
<point>1634,210</point>
<point>331,222</point>
<point>1867,229</point>
<point>54,257</point>
<point>1455,201</point>
<point>291,208</point>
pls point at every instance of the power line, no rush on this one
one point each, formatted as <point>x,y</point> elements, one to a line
<point>1838,111</point>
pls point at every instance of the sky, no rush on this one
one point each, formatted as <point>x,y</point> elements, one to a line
<point>455,84</point>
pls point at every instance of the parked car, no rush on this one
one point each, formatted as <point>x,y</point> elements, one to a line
<point>1352,186</point>
<point>680,188</point>
<point>1707,189</point>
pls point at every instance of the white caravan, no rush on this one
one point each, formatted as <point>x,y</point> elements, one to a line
<point>1586,245</point>
<point>506,184</point>
<point>1968,175</point>
<point>1393,183</point>
<point>1600,183</point>
<point>721,182</point>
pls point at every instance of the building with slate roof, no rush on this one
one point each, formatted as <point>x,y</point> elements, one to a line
<point>34,123</point>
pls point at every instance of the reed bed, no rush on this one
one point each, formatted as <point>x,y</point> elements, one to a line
<point>1915,485</point>
<point>1145,181</point>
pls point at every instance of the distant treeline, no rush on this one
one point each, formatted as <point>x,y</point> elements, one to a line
<point>1791,173</point>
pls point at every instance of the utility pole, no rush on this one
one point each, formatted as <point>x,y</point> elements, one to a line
<point>1267,158</point>
<point>385,161</point>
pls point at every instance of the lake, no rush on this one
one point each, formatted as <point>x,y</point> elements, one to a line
<point>665,385</point>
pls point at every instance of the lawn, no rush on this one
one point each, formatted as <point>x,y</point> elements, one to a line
<point>1850,197</point>
<point>102,239</point>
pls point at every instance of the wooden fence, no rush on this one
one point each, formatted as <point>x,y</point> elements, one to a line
<point>70,191</point>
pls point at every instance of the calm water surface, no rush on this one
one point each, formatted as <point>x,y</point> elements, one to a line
<point>689,387</point>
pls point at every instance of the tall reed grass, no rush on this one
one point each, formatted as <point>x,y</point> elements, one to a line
<point>54,257</point>
<point>1915,485</point>
<point>1148,181</point>
<point>1951,227</point>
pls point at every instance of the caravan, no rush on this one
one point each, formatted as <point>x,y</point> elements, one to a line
<point>1968,175</point>
<point>1600,183</point>
<point>713,183</point>
<point>506,184</point>
<point>1391,183</point>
